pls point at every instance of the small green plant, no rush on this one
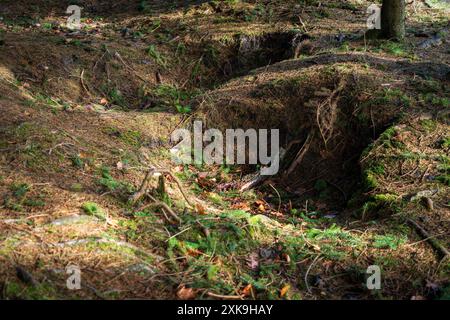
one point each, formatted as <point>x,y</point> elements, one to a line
<point>107,181</point>
<point>34,203</point>
<point>153,52</point>
<point>20,190</point>
<point>93,209</point>
<point>444,179</point>
<point>116,97</point>
<point>47,25</point>
<point>397,96</point>
<point>388,242</point>
<point>172,96</point>
<point>112,185</point>
<point>77,161</point>
<point>144,7</point>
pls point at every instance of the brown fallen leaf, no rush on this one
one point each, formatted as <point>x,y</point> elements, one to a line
<point>200,209</point>
<point>259,202</point>
<point>241,206</point>
<point>203,175</point>
<point>262,208</point>
<point>205,183</point>
<point>193,252</point>
<point>184,293</point>
<point>276,214</point>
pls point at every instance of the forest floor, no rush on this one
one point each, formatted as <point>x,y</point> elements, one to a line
<point>86,114</point>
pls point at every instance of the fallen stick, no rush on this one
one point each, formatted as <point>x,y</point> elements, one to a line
<point>219,296</point>
<point>119,57</point>
<point>83,85</point>
<point>307,272</point>
<point>301,154</point>
<point>256,181</point>
<point>259,179</point>
<point>433,242</point>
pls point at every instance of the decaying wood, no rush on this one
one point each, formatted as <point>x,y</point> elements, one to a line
<point>143,188</point>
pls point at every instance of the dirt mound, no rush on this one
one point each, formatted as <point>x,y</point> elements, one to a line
<point>322,112</point>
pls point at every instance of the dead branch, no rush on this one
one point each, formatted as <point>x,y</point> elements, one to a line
<point>431,240</point>
<point>307,272</point>
<point>143,188</point>
<point>301,154</point>
<point>83,85</point>
<point>219,296</point>
<point>162,205</point>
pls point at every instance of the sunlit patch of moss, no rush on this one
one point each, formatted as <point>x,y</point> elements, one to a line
<point>112,185</point>
<point>395,48</point>
<point>15,290</point>
<point>387,139</point>
<point>93,209</point>
<point>131,138</point>
<point>380,204</point>
<point>8,245</point>
<point>76,187</point>
<point>216,199</point>
<point>445,179</point>
<point>428,125</point>
<point>369,179</point>
<point>388,241</point>
<point>35,140</point>
<point>445,143</point>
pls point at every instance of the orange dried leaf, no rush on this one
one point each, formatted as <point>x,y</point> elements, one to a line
<point>247,291</point>
<point>284,290</point>
<point>241,206</point>
<point>200,209</point>
<point>186,293</point>
<point>260,202</point>
<point>194,252</point>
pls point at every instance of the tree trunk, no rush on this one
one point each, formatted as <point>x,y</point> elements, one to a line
<point>393,14</point>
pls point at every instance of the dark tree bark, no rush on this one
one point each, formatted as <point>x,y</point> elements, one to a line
<point>393,14</point>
